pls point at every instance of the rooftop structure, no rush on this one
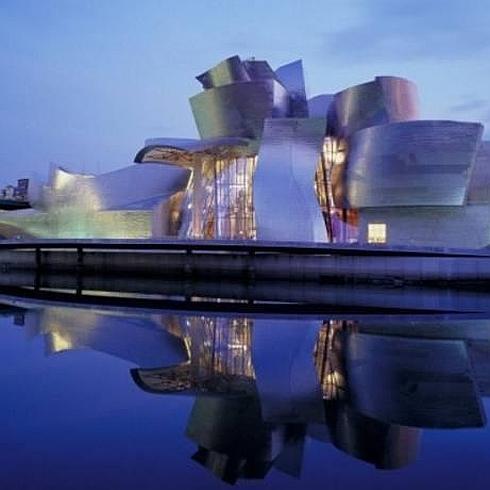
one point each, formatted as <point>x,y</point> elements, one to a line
<point>358,166</point>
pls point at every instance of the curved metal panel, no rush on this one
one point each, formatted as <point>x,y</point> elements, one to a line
<point>259,70</point>
<point>387,446</point>
<point>319,105</point>
<point>384,100</point>
<point>418,163</point>
<point>227,71</point>
<point>292,77</point>
<point>239,109</point>
<point>184,151</point>
<point>144,154</point>
<point>286,207</point>
<point>286,380</point>
<point>479,188</point>
<point>119,189</point>
<point>139,183</point>
<point>117,204</point>
<point>132,337</point>
<point>413,382</point>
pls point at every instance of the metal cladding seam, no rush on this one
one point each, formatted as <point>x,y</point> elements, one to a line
<point>286,207</point>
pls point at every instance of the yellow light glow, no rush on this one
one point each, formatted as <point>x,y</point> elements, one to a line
<point>376,233</point>
<point>60,343</point>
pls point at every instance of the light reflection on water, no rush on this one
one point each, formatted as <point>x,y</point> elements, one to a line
<point>96,397</point>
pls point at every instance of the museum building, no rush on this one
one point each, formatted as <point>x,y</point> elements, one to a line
<point>358,166</point>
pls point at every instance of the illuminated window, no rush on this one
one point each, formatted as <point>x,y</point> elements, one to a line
<point>376,233</point>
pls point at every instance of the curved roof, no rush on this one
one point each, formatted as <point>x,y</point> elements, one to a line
<point>384,100</point>
<point>186,152</point>
<point>132,187</point>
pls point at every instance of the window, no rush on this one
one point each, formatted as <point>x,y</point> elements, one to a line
<point>376,233</point>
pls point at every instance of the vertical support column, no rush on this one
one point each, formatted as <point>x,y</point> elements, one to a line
<point>79,270</point>
<point>37,277</point>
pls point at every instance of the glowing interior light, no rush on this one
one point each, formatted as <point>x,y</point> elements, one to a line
<point>60,343</point>
<point>376,233</point>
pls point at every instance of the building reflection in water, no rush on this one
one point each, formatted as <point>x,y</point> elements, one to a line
<point>264,386</point>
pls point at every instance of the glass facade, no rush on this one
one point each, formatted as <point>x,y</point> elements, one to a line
<point>341,224</point>
<point>329,363</point>
<point>219,347</point>
<point>219,204</point>
<point>219,200</point>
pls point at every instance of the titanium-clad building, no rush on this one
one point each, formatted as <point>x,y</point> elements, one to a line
<point>358,166</point>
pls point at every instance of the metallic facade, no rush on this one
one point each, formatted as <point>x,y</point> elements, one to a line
<point>479,188</point>
<point>238,96</point>
<point>286,168</point>
<point>117,204</point>
<point>291,76</point>
<point>273,164</point>
<point>418,163</point>
<point>382,101</point>
<point>266,385</point>
<point>239,109</point>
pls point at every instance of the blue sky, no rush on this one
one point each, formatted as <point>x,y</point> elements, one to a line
<point>84,82</point>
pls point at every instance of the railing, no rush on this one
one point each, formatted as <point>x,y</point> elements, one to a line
<point>245,247</point>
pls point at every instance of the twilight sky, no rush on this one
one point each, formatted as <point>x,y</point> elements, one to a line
<point>84,82</point>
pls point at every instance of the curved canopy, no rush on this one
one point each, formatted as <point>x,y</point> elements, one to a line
<point>186,152</point>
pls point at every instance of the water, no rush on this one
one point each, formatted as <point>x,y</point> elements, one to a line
<point>98,397</point>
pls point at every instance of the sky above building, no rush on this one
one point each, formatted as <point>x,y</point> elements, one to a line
<point>85,82</point>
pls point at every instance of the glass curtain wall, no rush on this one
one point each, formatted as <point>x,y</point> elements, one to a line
<point>220,200</point>
<point>219,347</point>
<point>341,224</point>
<point>329,359</point>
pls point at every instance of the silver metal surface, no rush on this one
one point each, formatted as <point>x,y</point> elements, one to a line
<point>286,207</point>
<point>239,109</point>
<point>354,156</point>
<point>187,151</point>
<point>431,226</point>
<point>384,100</point>
<point>227,71</point>
<point>418,163</point>
<point>145,343</point>
<point>292,78</point>
<point>319,105</point>
<point>112,205</point>
<point>376,366</point>
<point>120,189</point>
<point>479,188</point>
<point>259,70</point>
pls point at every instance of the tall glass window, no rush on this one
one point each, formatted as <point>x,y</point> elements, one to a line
<point>341,224</point>
<point>220,200</point>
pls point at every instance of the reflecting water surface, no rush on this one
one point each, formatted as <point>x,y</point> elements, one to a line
<point>105,397</point>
